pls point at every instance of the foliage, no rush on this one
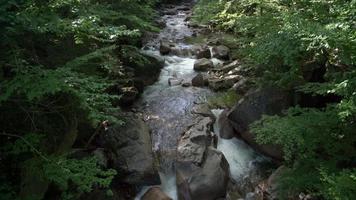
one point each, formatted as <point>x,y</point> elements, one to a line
<point>286,40</point>
<point>60,60</point>
<point>223,100</point>
<point>83,174</point>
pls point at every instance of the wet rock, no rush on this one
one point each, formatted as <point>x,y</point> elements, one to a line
<point>226,129</point>
<point>224,82</point>
<point>226,68</point>
<point>155,193</point>
<point>179,51</point>
<point>174,81</point>
<point>221,52</point>
<point>164,48</point>
<point>198,80</point>
<point>203,64</point>
<point>186,84</point>
<point>202,171</point>
<point>203,110</point>
<point>241,87</point>
<point>194,142</point>
<point>128,95</point>
<point>149,73</point>
<point>203,52</point>
<point>129,151</point>
<point>208,181</point>
<point>267,101</point>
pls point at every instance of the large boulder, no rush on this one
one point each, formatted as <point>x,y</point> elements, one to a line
<point>164,48</point>
<point>194,142</point>
<point>221,52</point>
<point>198,80</point>
<point>203,52</point>
<point>225,127</point>
<point>208,181</point>
<point>155,193</point>
<point>203,110</point>
<point>267,101</point>
<point>129,150</point>
<point>149,73</point>
<point>202,171</point>
<point>203,64</point>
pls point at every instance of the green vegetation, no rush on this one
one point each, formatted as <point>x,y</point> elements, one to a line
<point>223,99</point>
<point>308,46</point>
<point>59,61</point>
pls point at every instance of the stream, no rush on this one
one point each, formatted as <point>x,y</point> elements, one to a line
<point>167,110</point>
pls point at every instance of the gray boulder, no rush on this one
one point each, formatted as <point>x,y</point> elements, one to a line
<point>198,80</point>
<point>202,171</point>
<point>267,101</point>
<point>203,110</point>
<point>203,52</point>
<point>194,142</point>
<point>164,48</point>
<point>224,82</point>
<point>203,64</point>
<point>221,52</point>
<point>208,181</point>
<point>130,151</point>
<point>226,129</point>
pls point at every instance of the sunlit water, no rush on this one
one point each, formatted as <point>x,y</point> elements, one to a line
<point>243,160</point>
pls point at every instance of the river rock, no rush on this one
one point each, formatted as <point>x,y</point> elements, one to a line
<point>228,67</point>
<point>155,193</point>
<point>203,110</point>
<point>203,52</point>
<point>202,171</point>
<point>208,181</point>
<point>164,48</point>
<point>241,86</point>
<point>267,101</point>
<point>224,82</point>
<point>226,129</point>
<point>198,80</point>
<point>203,64</point>
<point>174,81</point>
<point>221,52</point>
<point>149,73</point>
<point>128,95</point>
<point>129,149</point>
<point>194,142</point>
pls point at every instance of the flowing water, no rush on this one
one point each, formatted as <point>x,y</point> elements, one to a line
<point>167,109</point>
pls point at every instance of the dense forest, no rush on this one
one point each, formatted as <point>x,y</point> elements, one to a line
<point>71,69</point>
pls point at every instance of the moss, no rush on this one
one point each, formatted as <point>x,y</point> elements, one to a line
<point>225,99</point>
